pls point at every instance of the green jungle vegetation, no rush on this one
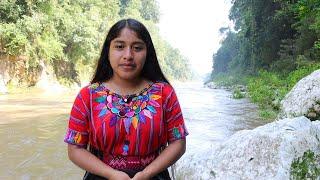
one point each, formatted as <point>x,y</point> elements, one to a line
<point>274,43</point>
<point>72,32</point>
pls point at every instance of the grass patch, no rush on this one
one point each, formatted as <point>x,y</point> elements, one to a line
<point>237,94</point>
<point>306,167</point>
<point>267,114</point>
<point>266,89</point>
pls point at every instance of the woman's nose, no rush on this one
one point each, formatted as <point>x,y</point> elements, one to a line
<point>128,53</point>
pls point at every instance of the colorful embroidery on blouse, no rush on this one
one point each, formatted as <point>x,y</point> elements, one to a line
<point>178,132</point>
<point>125,147</point>
<point>132,109</point>
<point>73,137</point>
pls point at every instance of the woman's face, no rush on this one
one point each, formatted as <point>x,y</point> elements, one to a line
<point>127,55</point>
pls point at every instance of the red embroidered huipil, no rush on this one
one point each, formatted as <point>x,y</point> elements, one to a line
<point>116,126</point>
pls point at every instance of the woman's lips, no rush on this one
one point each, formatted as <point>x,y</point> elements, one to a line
<point>127,66</point>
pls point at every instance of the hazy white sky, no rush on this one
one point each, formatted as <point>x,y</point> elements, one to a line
<point>193,26</point>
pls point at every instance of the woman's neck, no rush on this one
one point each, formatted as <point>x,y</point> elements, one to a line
<point>126,87</point>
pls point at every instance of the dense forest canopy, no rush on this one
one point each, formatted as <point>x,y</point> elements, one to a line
<point>52,31</point>
<point>273,35</point>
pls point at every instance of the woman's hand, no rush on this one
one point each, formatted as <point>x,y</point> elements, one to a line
<point>140,176</point>
<point>86,160</point>
<point>166,158</point>
<point>119,175</point>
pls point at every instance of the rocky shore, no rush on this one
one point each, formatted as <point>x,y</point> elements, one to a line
<point>268,151</point>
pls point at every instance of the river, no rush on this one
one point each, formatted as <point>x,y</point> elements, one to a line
<point>33,125</point>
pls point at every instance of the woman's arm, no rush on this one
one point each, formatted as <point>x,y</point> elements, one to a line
<point>166,158</point>
<point>87,161</point>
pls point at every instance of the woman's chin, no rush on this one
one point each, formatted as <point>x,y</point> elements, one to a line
<point>129,76</point>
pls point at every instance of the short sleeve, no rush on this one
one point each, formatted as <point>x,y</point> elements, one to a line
<point>77,132</point>
<point>176,128</point>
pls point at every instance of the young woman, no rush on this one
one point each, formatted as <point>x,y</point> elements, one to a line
<point>129,115</point>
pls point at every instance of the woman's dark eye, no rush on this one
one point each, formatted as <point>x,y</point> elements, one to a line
<point>137,48</point>
<point>119,46</point>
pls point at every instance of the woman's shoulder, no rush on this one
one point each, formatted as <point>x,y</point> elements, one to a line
<point>92,86</point>
<point>165,86</point>
<point>85,90</point>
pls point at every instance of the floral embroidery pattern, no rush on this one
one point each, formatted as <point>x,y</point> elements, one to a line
<point>179,132</point>
<point>135,110</point>
<point>176,133</point>
<point>125,147</point>
<point>73,137</point>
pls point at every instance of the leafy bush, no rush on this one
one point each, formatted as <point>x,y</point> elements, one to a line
<point>267,88</point>
<point>237,94</point>
<point>306,167</point>
<point>13,39</point>
<point>298,74</point>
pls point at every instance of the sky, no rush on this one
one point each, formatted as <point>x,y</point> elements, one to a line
<point>193,26</point>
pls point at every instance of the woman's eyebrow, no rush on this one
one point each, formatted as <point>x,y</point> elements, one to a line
<point>135,42</point>
<point>139,43</point>
<point>118,41</point>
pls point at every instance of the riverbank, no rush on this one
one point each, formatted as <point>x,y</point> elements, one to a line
<point>266,89</point>
<point>290,144</point>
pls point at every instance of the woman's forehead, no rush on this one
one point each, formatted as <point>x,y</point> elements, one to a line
<point>127,34</point>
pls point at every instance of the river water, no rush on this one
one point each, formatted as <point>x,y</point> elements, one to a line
<point>33,126</point>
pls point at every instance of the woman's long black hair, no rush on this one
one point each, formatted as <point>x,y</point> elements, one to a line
<point>151,69</point>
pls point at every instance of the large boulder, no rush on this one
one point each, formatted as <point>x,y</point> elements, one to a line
<point>265,152</point>
<point>303,99</point>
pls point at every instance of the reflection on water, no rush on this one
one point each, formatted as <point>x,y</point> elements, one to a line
<point>33,126</point>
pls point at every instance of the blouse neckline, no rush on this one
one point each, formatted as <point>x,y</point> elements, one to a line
<point>148,86</point>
